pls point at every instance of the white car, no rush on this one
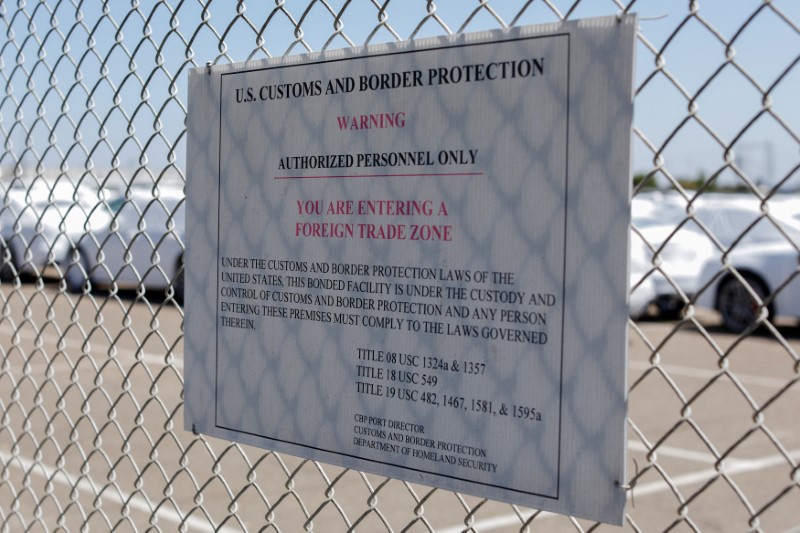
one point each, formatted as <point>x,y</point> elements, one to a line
<point>690,250</point>
<point>677,254</point>
<point>643,289</point>
<point>14,213</point>
<point>141,246</point>
<point>761,273</point>
<point>764,268</point>
<point>38,221</point>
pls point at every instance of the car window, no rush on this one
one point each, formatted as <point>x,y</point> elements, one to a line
<point>726,223</point>
<point>115,204</point>
<point>764,231</point>
<point>729,223</point>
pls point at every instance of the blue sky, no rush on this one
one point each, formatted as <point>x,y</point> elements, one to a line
<point>135,88</point>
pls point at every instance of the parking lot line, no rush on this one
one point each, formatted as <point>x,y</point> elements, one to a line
<point>672,451</point>
<point>705,374</point>
<point>137,503</point>
<point>734,466</point>
<point>497,522</point>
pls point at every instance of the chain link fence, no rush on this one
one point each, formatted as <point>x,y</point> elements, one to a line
<point>91,222</point>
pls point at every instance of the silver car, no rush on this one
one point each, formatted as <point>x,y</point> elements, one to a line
<point>141,246</point>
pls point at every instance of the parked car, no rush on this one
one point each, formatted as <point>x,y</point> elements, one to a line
<point>13,214</point>
<point>678,251</point>
<point>141,246</point>
<point>643,289</point>
<point>38,220</point>
<point>764,269</point>
<point>761,270</point>
<point>690,250</point>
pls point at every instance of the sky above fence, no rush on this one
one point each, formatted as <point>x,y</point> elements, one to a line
<point>108,86</point>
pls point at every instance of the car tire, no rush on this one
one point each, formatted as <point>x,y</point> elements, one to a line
<point>76,271</point>
<point>738,308</point>
<point>669,307</point>
<point>178,281</point>
<point>8,269</point>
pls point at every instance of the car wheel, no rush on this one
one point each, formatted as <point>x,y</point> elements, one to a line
<point>8,267</point>
<point>737,306</point>
<point>76,272</point>
<point>670,307</point>
<point>177,283</point>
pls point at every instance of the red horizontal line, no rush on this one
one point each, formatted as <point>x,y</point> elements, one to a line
<point>347,176</point>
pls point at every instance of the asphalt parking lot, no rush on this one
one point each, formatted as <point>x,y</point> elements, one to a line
<point>90,391</point>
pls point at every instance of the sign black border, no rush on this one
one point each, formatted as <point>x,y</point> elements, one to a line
<point>563,288</point>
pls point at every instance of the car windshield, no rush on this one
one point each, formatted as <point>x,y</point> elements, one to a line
<point>115,204</point>
<point>728,223</point>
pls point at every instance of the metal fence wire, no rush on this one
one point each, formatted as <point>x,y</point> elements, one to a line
<point>91,344</point>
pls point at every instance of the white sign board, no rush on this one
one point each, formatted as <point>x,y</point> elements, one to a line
<point>411,259</point>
